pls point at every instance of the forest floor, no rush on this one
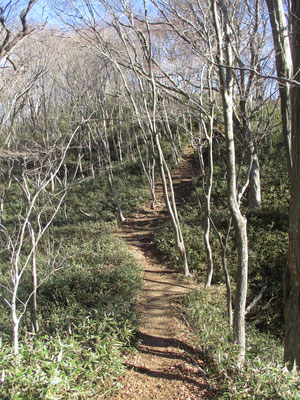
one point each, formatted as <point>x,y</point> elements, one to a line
<point>167,365</point>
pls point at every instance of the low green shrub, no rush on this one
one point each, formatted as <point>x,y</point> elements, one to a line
<point>93,284</point>
<point>191,224</point>
<point>263,376</point>
<point>91,199</point>
<point>87,317</point>
<point>267,233</point>
<point>78,366</point>
<point>268,243</point>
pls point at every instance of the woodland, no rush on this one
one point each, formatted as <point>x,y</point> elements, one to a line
<point>101,100</point>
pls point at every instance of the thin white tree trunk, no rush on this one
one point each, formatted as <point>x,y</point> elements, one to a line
<point>34,317</point>
<point>111,185</point>
<point>254,189</point>
<point>224,35</point>
<point>14,315</point>
<point>224,244</point>
<point>148,167</point>
<point>110,174</point>
<point>207,192</point>
<point>171,206</point>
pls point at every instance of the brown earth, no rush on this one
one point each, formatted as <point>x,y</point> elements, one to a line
<point>166,365</point>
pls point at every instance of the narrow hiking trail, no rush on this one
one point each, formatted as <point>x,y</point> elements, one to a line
<point>165,365</point>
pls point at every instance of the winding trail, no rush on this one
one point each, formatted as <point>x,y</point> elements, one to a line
<point>165,366</point>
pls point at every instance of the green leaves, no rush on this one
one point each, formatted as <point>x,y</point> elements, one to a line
<point>81,371</point>
<point>263,376</point>
<point>87,321</point>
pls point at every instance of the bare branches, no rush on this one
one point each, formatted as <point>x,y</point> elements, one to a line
<point>9,38</point>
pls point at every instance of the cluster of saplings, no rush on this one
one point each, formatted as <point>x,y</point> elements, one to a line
<point>83,319</point>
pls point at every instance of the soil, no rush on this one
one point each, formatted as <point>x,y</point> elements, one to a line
<point>166,365</point>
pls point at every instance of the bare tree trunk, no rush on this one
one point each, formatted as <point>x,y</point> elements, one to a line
<point>170,135</point>
<point>227,277</point>
<point>16,323</point>
<point>171,206</point>
<point>149,165</point>
<point>111,185</point>
<point>119,143</point>
<point>110,174</point>
<point>207,180</point>
<point>288,65</point>
<point>91,153</point>
<point>254,189</point>
<point>248,140</point>
<point>240,227</point>
<point>34,318</point>
<point>284,69</point>
<point>223,244</point>
<point>79,162</point>
<point>207,192</point>
<point>65,184</point>
<point>2,208</point>
<point>224,35</point>
<point>210,264</point>
<point>292,273</point>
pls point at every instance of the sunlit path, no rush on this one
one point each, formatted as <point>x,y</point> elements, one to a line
<point>166,366</point>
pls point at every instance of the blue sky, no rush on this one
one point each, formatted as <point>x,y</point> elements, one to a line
<point>43,10</point>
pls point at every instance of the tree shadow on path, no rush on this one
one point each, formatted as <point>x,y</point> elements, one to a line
<point>187,370</point>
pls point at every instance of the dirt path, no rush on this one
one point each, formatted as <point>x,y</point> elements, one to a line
<point>165,366</point>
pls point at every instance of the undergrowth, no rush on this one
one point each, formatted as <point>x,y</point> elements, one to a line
<point>77,366</point>
<point>86,299</point>
<point>267,234</point>
<point>87,321</point>
<point>263,376</point>
<point>90,199</point>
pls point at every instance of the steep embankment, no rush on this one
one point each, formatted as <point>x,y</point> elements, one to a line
<point>165,366</point>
